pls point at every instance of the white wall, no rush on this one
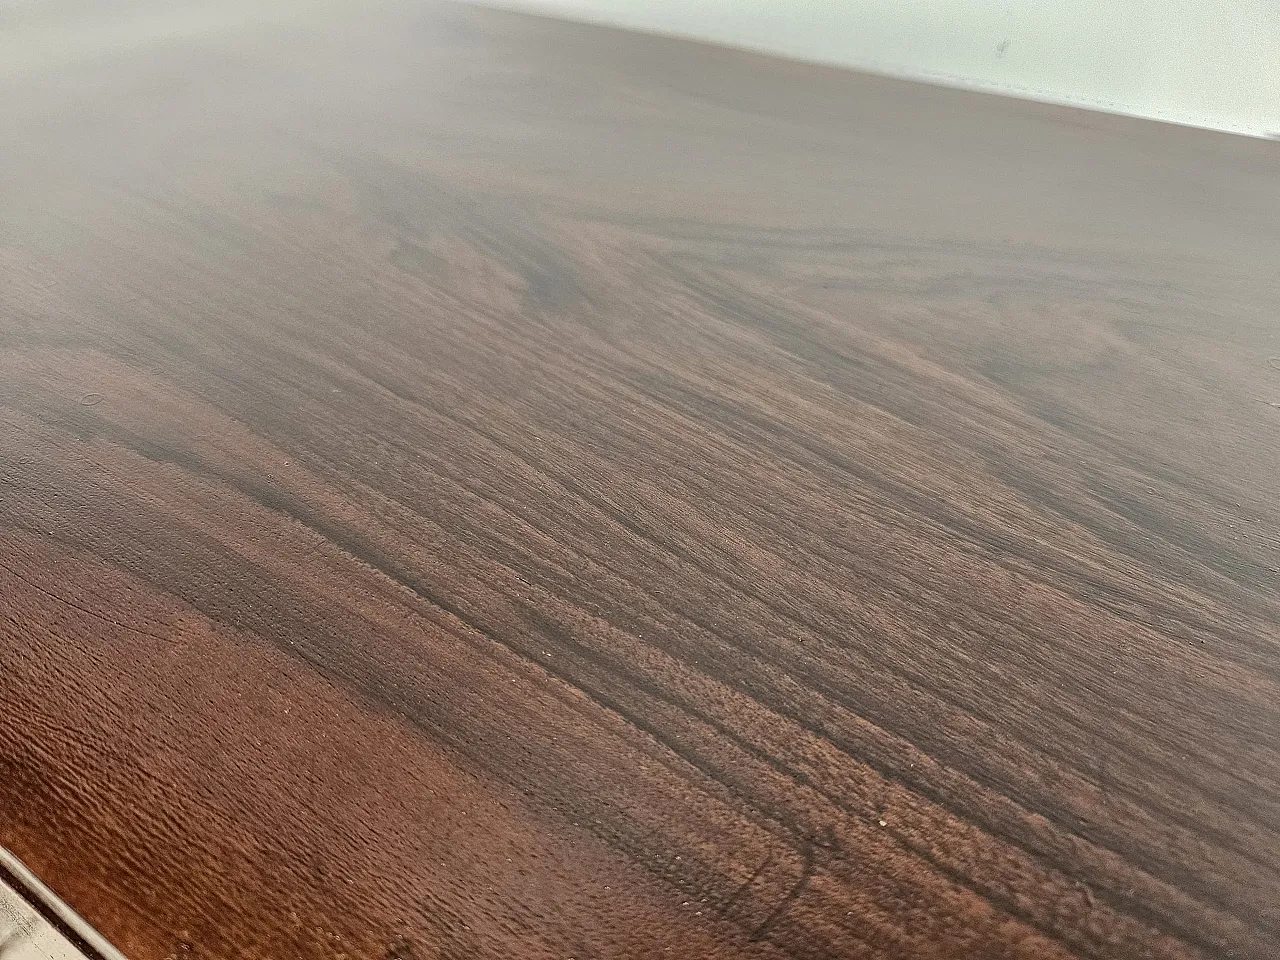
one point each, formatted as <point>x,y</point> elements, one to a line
<point>1211,63</point>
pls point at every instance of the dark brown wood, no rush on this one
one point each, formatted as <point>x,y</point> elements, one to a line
<point>473,486</point>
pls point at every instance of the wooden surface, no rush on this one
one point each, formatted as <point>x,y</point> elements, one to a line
<point>472,486</point>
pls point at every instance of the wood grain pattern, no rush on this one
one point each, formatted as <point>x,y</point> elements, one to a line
<point>472,486</point>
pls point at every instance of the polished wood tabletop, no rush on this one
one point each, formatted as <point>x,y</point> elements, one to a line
<point>479,486</point>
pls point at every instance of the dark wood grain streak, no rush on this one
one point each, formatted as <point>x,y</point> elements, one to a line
<point>472,486</point>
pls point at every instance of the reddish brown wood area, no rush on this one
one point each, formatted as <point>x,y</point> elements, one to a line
<point>477,487</point>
